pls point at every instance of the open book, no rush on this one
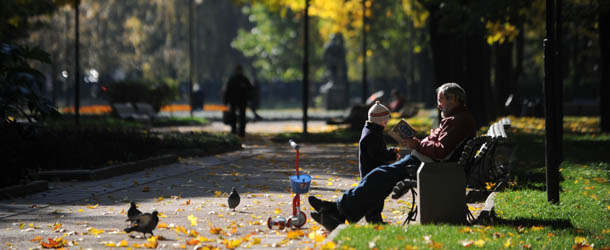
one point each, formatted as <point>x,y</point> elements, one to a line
<point>401,131</point>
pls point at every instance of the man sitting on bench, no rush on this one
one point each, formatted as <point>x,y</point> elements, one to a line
<point>457,125</point>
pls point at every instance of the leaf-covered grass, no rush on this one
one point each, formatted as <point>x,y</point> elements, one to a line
<point>524,217</point>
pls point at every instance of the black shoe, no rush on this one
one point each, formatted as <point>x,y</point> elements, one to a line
<point>377,219</point>
<point>318,204</point>
<point>326,218</point>
<point>402,187</point>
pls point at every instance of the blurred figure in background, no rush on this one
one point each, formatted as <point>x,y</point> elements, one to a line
<point>236,93</point>
<point>398,101</point>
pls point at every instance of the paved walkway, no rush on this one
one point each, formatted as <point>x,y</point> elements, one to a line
<point>192,195</point>
<point>77,211</point>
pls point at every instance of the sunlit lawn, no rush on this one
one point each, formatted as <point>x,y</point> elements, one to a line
<point>525,219</point>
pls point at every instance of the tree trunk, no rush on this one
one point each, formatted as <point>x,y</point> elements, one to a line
<point>604,43</point>
<point>477,81</point>
<point>504,74</point>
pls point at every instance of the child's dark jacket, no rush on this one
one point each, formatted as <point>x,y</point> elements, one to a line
<point>372,149</point>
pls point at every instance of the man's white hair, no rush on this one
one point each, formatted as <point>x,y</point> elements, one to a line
<point>452,89</point>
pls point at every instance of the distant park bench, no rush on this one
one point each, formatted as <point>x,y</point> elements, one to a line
<point>128,112</point>
<point>484,160</point>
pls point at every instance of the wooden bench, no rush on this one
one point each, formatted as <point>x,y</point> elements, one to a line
<point>143,108</point>
<point>128,112</point>
<point>442,185</point>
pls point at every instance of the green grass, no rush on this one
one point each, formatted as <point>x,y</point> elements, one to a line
<point>524,217</point>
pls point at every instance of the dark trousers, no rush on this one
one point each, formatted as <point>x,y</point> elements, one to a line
<point>367,198</point>
<point>240,118</point>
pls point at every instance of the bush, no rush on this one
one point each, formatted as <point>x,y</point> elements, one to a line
<point>20,85</point>
<point>28,149</point>
<point>156,94</point>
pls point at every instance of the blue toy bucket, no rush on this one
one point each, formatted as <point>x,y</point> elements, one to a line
<point>300,183</point>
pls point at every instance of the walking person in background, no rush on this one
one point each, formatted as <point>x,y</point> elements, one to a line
<point>236,93</point>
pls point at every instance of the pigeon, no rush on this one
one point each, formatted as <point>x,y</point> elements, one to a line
<point>133,211</point>
<point>143,223</point>
<point>233,199</point>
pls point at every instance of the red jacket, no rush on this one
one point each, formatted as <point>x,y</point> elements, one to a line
<point>452,130</point>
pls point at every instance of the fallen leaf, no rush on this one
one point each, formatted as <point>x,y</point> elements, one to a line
<point>215,230</point>
<point>162,225</point>
<point>95,231</point>
<point>110,244</point>
<point>295,234</point>
<point>123,243</point>
<point>37,239</point>
<point>467,243</point>
<point>329,245</point>
<point>479,243</point>
<point>192,242</point>
<point>94,207</point>
<point>508,243</point>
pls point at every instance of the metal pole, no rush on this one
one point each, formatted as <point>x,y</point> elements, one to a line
<point>190,98</point>
<point>551,154</point>
<point>306,67</point>
<point>364,83</point>
<point>76,64</point>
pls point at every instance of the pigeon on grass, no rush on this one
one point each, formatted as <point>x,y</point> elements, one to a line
<point>144,223</point>
<point>233,199</point>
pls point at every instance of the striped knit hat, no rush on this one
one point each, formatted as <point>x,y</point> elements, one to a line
<point>379,113</point>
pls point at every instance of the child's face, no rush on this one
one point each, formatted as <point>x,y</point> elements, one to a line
<point>383,124</point>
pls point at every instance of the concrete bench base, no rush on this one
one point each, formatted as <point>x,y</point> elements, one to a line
<point>441,197</point>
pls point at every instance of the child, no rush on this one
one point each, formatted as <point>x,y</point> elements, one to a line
<point>372,149</point>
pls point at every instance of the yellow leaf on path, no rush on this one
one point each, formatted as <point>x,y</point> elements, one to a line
<point>123,243</point>
<point>110,244</point>
<point>162,215</point>
<point>180,229</point>
<point>80,210</point>
<point>136,245</point>
<point>37,239</point>
<point>256,241</point>
<point>354,184</point>
<point>192,242</point>
<point>329,245</point>
<point>160,199</point>
<point>95,231</point>
<point>232,244</point>
<point>162,225</point>
<point>277,211</point>
<point>215,230</point>
<point>217,193</point>
<point>295,234</point>
<point>329,183</point>
<point>94,207</point>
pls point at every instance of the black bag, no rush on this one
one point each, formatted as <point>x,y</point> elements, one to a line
<point>228,117</point>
